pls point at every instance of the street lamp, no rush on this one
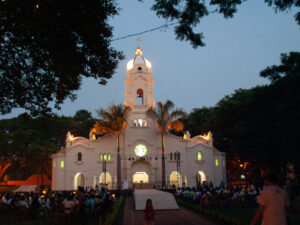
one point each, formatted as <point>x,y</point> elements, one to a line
<point>177,166</point>
<point>104,168</point>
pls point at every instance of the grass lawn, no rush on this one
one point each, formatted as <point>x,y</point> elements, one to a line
<point>240,216</point>
<point>4,221</point>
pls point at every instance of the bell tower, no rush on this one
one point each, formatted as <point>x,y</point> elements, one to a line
<point>139,82</point>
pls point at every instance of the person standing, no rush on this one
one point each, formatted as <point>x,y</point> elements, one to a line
<point>149,213</point>
<point>272,203</point>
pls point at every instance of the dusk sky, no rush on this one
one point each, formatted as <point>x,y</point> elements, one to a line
<point>236,51</point>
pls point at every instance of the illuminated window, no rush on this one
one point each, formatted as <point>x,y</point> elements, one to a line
<point>101,157</point>
<point>62,164</point>
<point>79,156</point>
<point>109,156</point>
<point>135,123</point>
<point>217,162</point>
<point>105,157</point>
<point>140,122</point>
<point>199,156</point>
<point>145,122</point>
<point>140,150</point>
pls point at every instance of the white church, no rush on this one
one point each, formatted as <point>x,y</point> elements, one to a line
<point>90,162</point>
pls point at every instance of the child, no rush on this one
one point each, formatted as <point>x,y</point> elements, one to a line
<point>149,213</point>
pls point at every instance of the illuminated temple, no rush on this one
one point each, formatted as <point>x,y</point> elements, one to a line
<point>93,161</point>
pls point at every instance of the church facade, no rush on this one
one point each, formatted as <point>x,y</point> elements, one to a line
<point>90,162</point>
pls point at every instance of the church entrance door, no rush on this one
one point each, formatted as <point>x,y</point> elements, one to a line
<point>175,179</point>
<point>105,179</point>
<point>140,171</point>
<point>140,177</point>
<point>78,181</point>
<point>200,177</point>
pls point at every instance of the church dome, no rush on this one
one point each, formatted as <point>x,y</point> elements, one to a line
<point>138,60</point>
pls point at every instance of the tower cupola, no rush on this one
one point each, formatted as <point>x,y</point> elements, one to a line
<point>139,82</point>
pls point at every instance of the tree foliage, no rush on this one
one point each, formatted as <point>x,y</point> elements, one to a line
<point>24,140</point>
<point>189,13</point>
<point>261,123</point>
<point>166,118</point>
<point>113,120</point>
<point>196,121</point>
<point>47,47</point>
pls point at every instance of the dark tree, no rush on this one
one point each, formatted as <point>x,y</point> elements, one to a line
<point>197,121</point>
<point>48,46</point>
<point>25,139</point>
<point>263,123</point>
<point>188,14</point>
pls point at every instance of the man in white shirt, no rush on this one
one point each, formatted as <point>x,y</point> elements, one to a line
<point>272,202</point>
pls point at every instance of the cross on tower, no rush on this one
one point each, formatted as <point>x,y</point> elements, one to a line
<point>138,41</point>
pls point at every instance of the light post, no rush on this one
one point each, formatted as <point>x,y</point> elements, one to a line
<point>178,167</point>
<point>104,168</point>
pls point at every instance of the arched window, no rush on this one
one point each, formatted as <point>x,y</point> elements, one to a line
<point>171,156</point>
<point>140,122</point>
<point>105,157</point>
<point>79,156</point>
<point>145,123</point>
<point>109,157</point>
<point>62,164</point>
<point>140,97</point>
<point>139,68</point>
<point>217,162</point>
<point>199,156</point>
<point>175,156</point>
<point>135,123</point>
<point>101,157</point>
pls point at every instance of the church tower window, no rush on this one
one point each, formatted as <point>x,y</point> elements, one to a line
<point>109,157</point>
<point>62,164</point>
<point>79,156</point>
<point>101,157</point>
<point>145,123</point>
<point>140,122</point>
<point>105,157</point>
<point>140,97</point>
<point>217,162</point>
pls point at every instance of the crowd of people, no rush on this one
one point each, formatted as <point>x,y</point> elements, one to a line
<point>67,207</point>
<point>209,196</point>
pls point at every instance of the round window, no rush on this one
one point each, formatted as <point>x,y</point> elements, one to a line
<point>140,150</point>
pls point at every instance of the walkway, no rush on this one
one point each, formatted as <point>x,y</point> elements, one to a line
<point>167,217</point>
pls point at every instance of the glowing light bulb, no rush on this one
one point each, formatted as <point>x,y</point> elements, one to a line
<point>148,64</point>
<point>130,64</point>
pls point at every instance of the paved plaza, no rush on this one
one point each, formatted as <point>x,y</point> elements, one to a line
<point>164,217</point>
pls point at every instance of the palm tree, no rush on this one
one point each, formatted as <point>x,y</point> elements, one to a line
<point>166,120</point>
<point>113,120</point>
